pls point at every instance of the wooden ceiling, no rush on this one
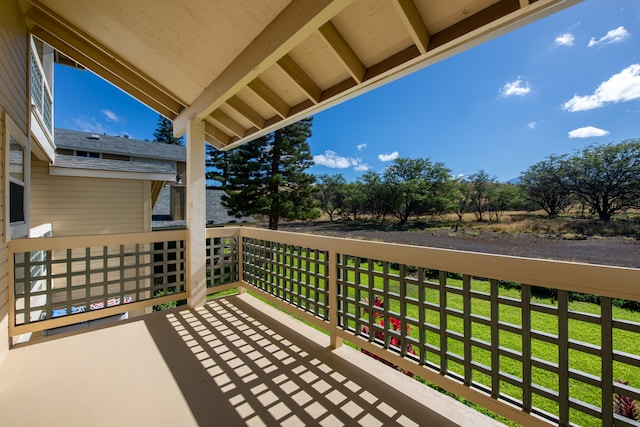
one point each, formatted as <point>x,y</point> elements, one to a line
<point>248,67</point>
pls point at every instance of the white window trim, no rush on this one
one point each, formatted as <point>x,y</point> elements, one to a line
<point>11,130</point>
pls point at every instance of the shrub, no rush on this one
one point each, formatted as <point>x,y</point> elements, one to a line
<point>626,406</point>
<point>379,335</point>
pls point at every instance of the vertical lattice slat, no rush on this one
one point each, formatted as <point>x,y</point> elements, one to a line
<point>444,366</point>
<point>50,283</point>
<point>403,310</point>
<point>69,276</point>
<point>526,348</point>
<point>387,301</point>
<point>466,312</point>
<point>563,358</point>
<point>606,327</point>
<point>422,336</point>
<point>495,340</point>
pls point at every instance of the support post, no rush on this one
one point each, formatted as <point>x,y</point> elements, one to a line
<point>195,264</point>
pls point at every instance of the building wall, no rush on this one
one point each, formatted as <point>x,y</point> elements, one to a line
<point>13,100</point>
<point>82,205</point>
<point>13,63</point>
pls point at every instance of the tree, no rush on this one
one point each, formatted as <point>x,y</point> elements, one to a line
<point>503,197</point>
<point>376,195</point>
<point>418,187</point>
<point>331,193</point>
<point>217,165</point>
<point>354,198</point>
<point>164,132</point>
<point>461,198</point>
<point>267,176</point>
<point>542,184</point>
<point>607,177</point>
<point>481,185</point>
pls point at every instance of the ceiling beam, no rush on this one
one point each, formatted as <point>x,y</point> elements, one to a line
<point>295,23</point>
<point>524,3</point>
<point>414,23</point>
<point>229,123</point>
<point>301,78</point>
<point>74,43</point>
<point>269,97</point>
<point>246,111</point>
<point>345,53</point>
<point>216,137</point>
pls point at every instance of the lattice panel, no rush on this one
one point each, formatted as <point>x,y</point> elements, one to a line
<point>298,275</point>
<point>222,261</point>
<point>520,344</point>
<point>55,283</point>
<point>168,267</point>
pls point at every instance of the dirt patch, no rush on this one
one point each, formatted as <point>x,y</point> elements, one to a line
<point>610,250</point>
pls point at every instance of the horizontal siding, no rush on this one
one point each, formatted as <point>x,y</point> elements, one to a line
<point>4,299</point>
<point>13,100</point>
<point>4,263</point>
<point>13,63</point>
<point>80,206</point>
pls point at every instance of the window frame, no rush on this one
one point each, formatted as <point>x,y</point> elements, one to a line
<point>11,131</point>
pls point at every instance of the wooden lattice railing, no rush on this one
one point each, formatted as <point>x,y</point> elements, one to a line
<point>513,335</point>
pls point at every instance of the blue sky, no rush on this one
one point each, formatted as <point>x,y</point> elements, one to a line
<point>554,86</point>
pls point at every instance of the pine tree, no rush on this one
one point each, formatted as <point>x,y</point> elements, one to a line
<point>164,132</point>
<point>267,176</point>
<point>217,164</point>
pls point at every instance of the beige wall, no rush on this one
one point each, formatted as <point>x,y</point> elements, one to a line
<point>13,100</point>
<point>81,205</point>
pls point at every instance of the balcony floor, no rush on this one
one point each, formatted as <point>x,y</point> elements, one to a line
<point>235,361</point>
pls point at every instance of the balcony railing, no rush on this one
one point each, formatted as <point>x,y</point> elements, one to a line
<point>81,279</point>
<point>506,333</point>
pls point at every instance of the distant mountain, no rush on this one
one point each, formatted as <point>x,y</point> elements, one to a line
<point>514,181</point>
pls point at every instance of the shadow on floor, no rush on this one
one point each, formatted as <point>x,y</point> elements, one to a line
<point>238,366</point>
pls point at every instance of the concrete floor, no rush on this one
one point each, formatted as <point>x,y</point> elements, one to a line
<point>234,362</point>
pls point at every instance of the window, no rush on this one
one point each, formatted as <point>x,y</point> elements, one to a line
<point>16,177</point>
<point>16,181</point>
<point>88,154</point>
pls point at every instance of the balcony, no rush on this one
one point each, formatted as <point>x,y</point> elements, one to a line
<point>505,333</point>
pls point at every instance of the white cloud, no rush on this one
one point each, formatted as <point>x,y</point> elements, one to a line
<point>565,39</point>
<point>388,156</point>
<point>624,86</point>
<point>88,124</point>
<point>362,167</point>
<point>516,87</point>
<point>110,115</point>
<point>613,36</point>
<point>532,125</point>
<point>587,132</point>
<point>361,147</point>
<point>331,159</point>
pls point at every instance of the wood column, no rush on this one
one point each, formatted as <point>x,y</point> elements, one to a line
<point>195,263</point>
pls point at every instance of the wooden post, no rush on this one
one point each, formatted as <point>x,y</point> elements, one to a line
<point>195,262</point>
